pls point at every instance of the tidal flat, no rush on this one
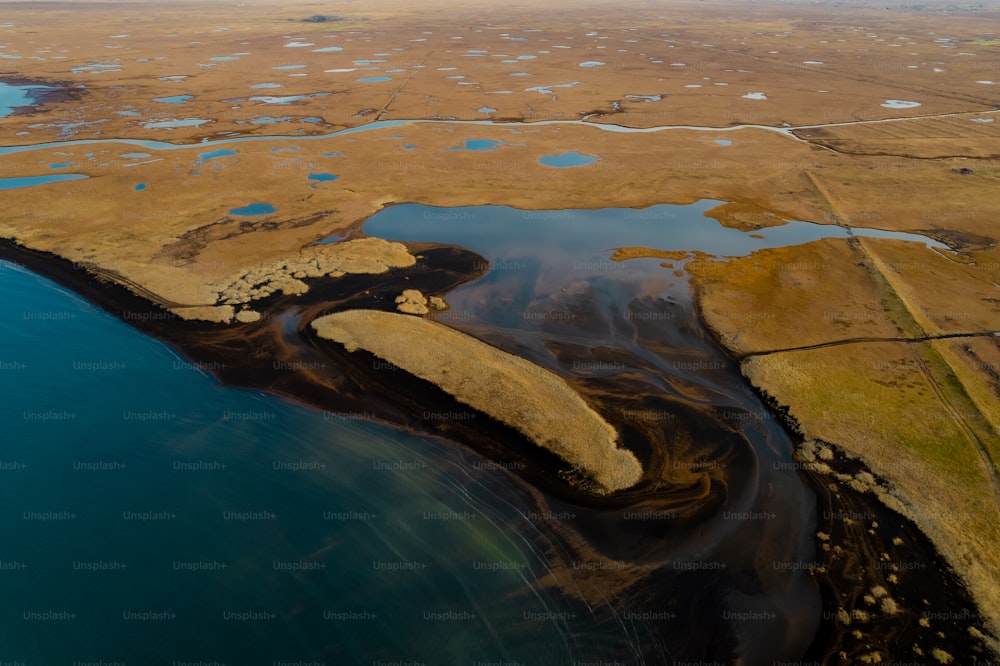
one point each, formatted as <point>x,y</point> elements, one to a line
<point>756,248</point>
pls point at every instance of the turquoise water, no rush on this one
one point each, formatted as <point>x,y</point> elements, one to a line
<point>213,154</point>
<point>140,187</point>
<point>254,209</point>
<point>151,516</point>
<point>480,144</point>
<point>374,79</point>
<point>323,177</point>
<point>571,159</point>
<point>175,99</point>
<point>31,181</point>
<point>12,96</point>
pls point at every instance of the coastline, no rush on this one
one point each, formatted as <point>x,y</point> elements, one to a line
<point>895,543</point>
<point>295,377</point>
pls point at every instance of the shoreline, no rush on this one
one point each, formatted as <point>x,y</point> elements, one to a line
<point>831,491</point>
<point>463,265</point>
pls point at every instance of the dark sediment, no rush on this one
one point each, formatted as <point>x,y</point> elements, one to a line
<point>876,543</point>
<point>599,552</point>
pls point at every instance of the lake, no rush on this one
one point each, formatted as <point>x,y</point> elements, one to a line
<point>152,515</point>
<point>14,96</point>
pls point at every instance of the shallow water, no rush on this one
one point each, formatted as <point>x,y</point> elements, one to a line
<point>571,159</point>
<point>253,209</point>
<point>552,294</point>
<point>480,144</point>
<point>13,96</point>
<point>31,181</point>
<point>323,177</point>
<point>591,235</point>
<point>175,99</point>
<point>161,518</point>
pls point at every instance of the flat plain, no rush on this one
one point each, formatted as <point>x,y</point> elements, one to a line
<point>215,145</point>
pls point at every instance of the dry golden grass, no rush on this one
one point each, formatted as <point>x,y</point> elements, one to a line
<point>508,388</point>
<point>943,293</point>
<point>626,253</point>
<point>969,135</point>
<point>922,415</point>
<point>726,51</point>
<point>791,297</point>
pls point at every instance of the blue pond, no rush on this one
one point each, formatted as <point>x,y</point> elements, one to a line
<point>480,144</point>
<point>323,177</point>
<point>135,156</point>
<point>259,86</point>
<point>15,96</point>
<point>140,187</point>
<point>253,209</point>
<point>211,155</point>
<point>175,99</point>
<point>63,165</point>
<point>724,142</point>
<point>30,181</point>
<point>374,79</point>
<point>571,159</point>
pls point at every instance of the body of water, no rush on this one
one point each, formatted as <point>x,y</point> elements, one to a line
<point>31,181</point>
<point>552,295</point>
<point>591,235</point>
<point>14,96</point>
<point>153,516</point>
<point>571,159</point>
<point>254,209</point>
<point>174,99</point>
